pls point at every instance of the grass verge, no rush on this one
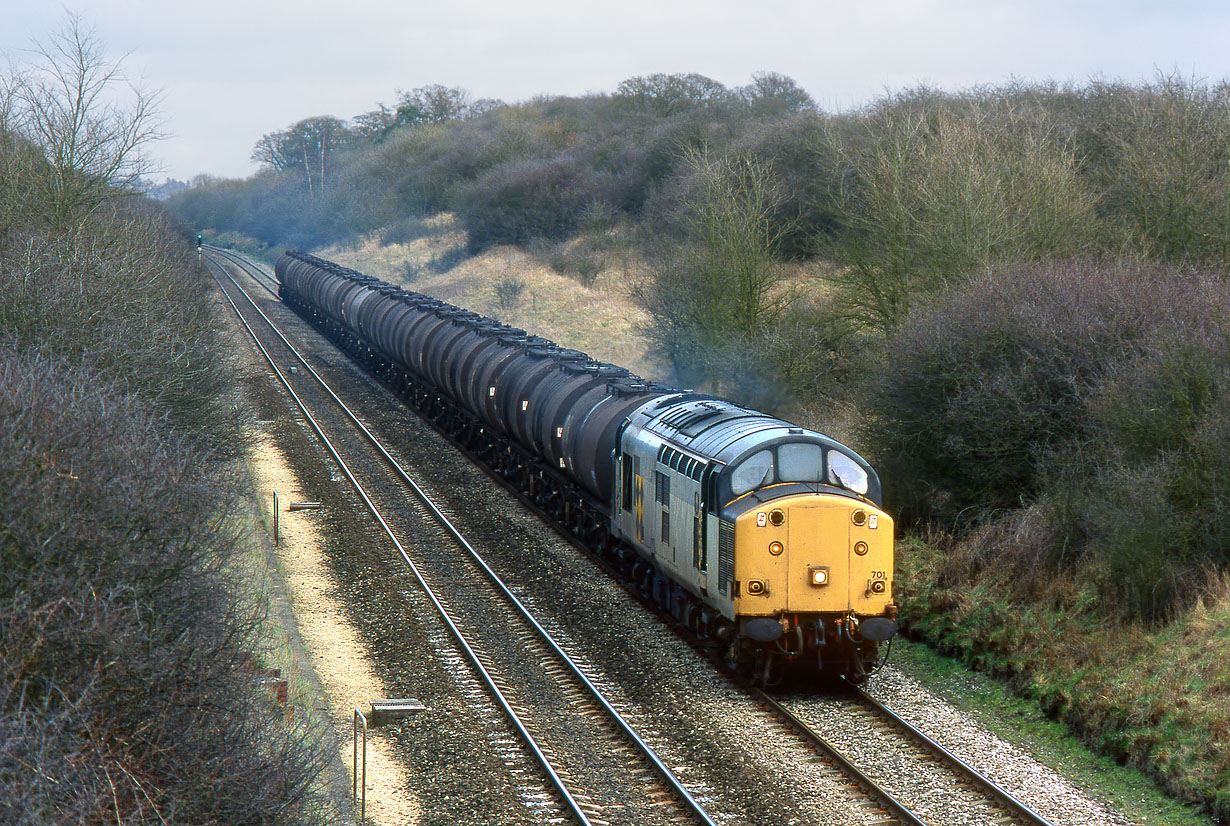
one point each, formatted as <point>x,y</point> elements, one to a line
<point>1152,703</point>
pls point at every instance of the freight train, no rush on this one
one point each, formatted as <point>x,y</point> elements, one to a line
<point>766,538</point>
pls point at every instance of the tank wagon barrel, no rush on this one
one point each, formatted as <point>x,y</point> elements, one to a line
<point>749,530</point>
<point>558,404</point>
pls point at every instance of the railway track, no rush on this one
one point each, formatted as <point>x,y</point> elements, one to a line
<point>603,793</point>
<point>595,762</point>
<point>903,763</point>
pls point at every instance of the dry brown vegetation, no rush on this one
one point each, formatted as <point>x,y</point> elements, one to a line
<point>600,319</point>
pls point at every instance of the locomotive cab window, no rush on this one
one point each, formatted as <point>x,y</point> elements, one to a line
<point>753,472</point>
<point>846,472</point>
<point>800,462</point>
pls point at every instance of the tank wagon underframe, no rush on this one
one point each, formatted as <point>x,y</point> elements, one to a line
<point>474,378</point>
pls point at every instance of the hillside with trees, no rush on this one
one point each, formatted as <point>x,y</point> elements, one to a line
<point>1011,298</point>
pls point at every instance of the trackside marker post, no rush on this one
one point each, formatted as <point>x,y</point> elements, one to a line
<point>382,710</point>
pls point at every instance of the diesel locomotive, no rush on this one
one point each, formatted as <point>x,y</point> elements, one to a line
<point>767,538</point>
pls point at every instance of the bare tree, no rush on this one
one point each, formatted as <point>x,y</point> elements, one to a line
<point>715,293</point>
<point>772,94</point>
<point>273,151</point>
<point>665,95</point>
<point>372,126</point>
<point>308,145</point>
<point>66,103</point>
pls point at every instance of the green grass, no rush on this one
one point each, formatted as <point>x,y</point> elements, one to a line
<point>1156,700</point>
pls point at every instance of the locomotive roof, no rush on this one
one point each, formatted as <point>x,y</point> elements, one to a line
<point>727,432</point>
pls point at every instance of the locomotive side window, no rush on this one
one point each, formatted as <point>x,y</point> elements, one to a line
<point>627,470</point>
<point>846,472</point>
<point>755,471</point>
<point>800,462</point>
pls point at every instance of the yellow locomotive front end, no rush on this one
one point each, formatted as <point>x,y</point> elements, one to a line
<point>814,554</point>
<point>813,575</point>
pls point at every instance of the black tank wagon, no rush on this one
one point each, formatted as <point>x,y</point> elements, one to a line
<point>765,536</point>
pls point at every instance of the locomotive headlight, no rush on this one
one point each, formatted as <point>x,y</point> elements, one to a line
<point>818,576</point>
<point>776,548</point>
<point>860,548</point>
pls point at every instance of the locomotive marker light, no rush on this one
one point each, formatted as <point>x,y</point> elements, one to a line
<point>818,576</point>
<point>776,548</point>
<point>860,548</point>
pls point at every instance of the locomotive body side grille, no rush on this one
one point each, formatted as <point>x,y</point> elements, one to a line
<point>726,555</point>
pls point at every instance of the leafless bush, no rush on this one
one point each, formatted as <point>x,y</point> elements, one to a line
<point>516,203</point>
<point>936,195</point>
<point>508,291</point>
<point>120,633</point>
<point>120,292</point>
<point>1105,416</point>
<point>582,260</point>
<point>1164,149</point>
<point>712,294</point>
<point>122,625</point>
<point>981,385</point>
<point>20,162</point>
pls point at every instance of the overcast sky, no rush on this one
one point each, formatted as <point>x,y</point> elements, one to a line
<point>233,70</point>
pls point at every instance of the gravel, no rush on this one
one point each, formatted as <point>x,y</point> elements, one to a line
<point>1043,789</point>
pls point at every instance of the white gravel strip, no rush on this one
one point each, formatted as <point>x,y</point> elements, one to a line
<point>1044,790</point>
